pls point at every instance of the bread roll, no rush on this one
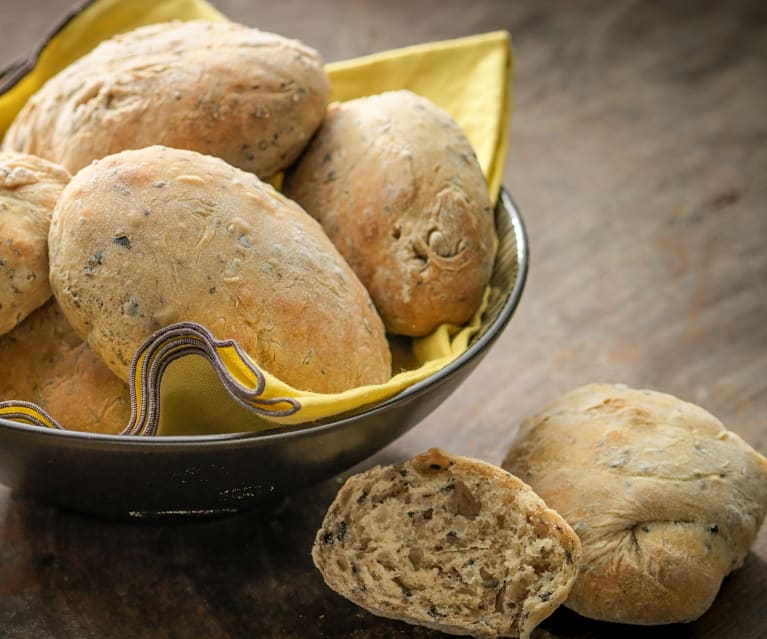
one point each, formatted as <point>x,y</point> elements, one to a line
<point>29,189</point>
<point>447,542</point>
<point>44,362</point>
<point>146,238</point>
<point>396,185</point>
<point>250,97</point>
<point>665,500</point>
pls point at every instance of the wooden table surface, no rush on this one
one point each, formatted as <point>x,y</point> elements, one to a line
<point>639,160</point>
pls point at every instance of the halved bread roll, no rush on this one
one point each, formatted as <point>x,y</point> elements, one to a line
<point>448,542</point>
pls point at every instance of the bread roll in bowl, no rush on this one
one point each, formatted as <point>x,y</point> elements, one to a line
<point>147,238</point>
<point>29,189</point>
<point>250,97</point>
<point>396,185</point>
<point>47,364</point>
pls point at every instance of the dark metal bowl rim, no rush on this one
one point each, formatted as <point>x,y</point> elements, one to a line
<point>224,439</point>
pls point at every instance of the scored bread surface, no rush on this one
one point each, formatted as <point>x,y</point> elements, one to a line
<point>447,542</point>
<point>665,500</point>
<point>250,97</point>
<point>397,187</point>
<point>29,189</point>
<point>147,238</point>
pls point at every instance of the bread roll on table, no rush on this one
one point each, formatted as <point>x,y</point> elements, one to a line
<point>665,500</point>
<point>447,542</point>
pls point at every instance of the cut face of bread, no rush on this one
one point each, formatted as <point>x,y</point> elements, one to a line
<point>447,542</point>
<point>665,500</point>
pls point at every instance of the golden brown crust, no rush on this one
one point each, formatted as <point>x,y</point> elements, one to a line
<point>396,185</point>
<point>146,238</point>
<point>665,500</point>
<point>250,97</point>
<point>447,542</point>
<point>29,189</point>
<point>46,363</point>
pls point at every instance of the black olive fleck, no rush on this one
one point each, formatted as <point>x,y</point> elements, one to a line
<point>122,240</point>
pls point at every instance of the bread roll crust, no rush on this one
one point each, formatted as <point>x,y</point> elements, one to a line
<point>146,238</point>
<point>29,189</point>
<point>396,185</point>
<point>250,97</point>
<point>666,501</point>
<point>447,542</point>
<point>46,363</point>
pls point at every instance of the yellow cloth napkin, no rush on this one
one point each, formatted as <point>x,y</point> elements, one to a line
<point>184,381</point>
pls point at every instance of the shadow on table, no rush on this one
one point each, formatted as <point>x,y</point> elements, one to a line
<point>733,614</point>
<point>245,575</point>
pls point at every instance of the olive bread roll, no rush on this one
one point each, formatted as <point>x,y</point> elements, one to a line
<point>665,500</point>
<point>447,542</point>
<point>46,363</point>
<point>29,189</point>
<point>147,238</point>
<point>250,97</point>
<point>396,185</point>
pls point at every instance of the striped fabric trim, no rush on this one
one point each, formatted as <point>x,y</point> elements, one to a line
<point>148,367</point>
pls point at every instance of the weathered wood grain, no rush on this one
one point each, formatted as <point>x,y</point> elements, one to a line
<point>639,159</point>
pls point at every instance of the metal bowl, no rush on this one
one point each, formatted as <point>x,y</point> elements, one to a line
<point>122,476</point>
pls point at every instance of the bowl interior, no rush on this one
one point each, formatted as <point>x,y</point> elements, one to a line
<point>155,476</point>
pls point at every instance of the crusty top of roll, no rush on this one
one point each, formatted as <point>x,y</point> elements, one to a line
<point>146,238</point>
<point>251,97</point>
<point>396,185</point>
